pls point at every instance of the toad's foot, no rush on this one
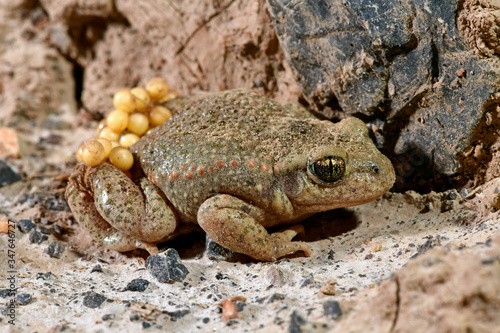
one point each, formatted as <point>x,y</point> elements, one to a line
<point>236,225</point>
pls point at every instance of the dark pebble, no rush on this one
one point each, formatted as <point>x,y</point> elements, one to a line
<point>145,324</point>
<point>231,322</point>
<point>167,266</point>
<point>25,225</point>
<point>7,175</point>
<point>44,230</point>
<point>108,316</point>
<point>453,195</point>
<point>240,305</point>
<point>307,280</point>
<point>35,237</point>
<point>5,293</point>
<point>23,299</point>
<point>43,276</point>
<point>55,249</point>
<point>93,300</point>
<point>205,320</point>
<point>332,309</point>
<point>96,268</point>
<point>134,316</point>
<point>174,315</point>
<point>297,322</point>
<point>58,229</point>
<point>137,285</point>
<point>221,276</point>
<point>217,252</point>
<point>271,298</point>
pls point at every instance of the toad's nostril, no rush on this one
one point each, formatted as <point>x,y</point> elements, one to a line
<point>375,168</point>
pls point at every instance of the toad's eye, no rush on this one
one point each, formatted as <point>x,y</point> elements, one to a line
<point>327,170</point>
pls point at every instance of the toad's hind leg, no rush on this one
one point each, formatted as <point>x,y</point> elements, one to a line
<point>82,206</point>
<point>138,211</point>
<point>235,224</point>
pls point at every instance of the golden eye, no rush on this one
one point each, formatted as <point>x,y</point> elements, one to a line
<point>328,170</point>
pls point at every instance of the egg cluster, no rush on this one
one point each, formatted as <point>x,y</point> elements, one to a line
<point>137,112</point>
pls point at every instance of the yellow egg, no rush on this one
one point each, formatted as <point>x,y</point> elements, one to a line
<point>107,146</point>
<point>159,114</point>
<point>117,120</point>
<point>138,123</point>
<point>108,133</point>
<point>79,152</point>
<point>142,98</point>
<point>121,158</point>
<point>124,100</point>
<point>92,152</point>
<point>157,88</point>
<point>100,126</point>
<point>171,94</point>
<point>129,139</point>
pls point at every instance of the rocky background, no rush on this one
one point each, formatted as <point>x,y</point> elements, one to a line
<point>424,75</point>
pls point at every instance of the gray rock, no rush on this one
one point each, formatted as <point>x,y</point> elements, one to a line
<point>403,66</point>
<point>167,266</point>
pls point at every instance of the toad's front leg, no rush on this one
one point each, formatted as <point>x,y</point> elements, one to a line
<point>117,212</point>
<point>236,225</point>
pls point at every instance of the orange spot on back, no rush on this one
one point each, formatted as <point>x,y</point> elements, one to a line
<point>188,175</point>
<point>210,169</point>
<point>183,167</point>
<point>200,170</point>
<point>175,174</point>
<point>234,164</point>
<point>277,167</point>
<point>264,167</point>
<point>192,167</point>
<point>220,164</point>
<point>251,164</point>
<point>286,165</point>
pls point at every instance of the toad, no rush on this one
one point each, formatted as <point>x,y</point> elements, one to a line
<point>235,163</point>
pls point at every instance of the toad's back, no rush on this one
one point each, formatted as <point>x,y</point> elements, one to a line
<point>232,142</point>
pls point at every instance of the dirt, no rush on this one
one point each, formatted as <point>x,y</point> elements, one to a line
<point>406,262</point>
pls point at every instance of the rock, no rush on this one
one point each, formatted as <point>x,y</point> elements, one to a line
<point>329,287</point>
<point>93,300</point>
<point>332,309</point>
<point>272,277</point>
<point>7,175</point>
<point>9,143</point>
<point>405,62</point>
<point>23,299</point>
<point>55,250</point>
<point>307,280</point>
<point>97,268</point>
<point>215,251</point>
<point>167,266</point>
<point>25,225</point>
<point>35,237</point>
<point>137,285</point>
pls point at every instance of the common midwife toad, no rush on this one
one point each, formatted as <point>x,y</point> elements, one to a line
<point>235,163</point>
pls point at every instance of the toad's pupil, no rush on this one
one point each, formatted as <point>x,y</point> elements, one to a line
<point>329,169</point>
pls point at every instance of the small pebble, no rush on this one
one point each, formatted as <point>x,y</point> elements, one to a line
<point>7,175</point>
<point>93,300</point>
<point>216,252</point>
<point>137,285</point>
<point>44,230</point>
<point>55,249</point>
<point>329,287</point>
<point>35,237</point>
<point>307,280</point>
<point>23,299</point>
<point>4,293</point>
<point>332,309</point>
<point>43,276</point>
<point>167,266</point>
<point>134,316</point>
<point>25,225</point>
<point>272,276</point>
<point>297,322</point>
<point>145,324</point>
<point>96,268</point>
<point>108,316</point>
